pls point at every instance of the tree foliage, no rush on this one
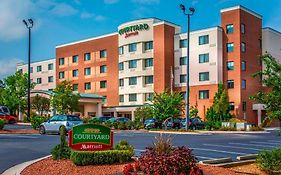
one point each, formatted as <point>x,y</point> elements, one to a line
<point>167,105</point>
<point>221,103</point>
<point>13,92</point>
<point>193,112</point>
<point>64,100</point>
<point>144,112</point>
<point>40,104</point>
<point>272,79</point>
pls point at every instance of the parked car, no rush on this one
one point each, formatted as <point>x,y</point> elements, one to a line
<point>54,124</point>
<point>9,118</point>
<point>152,123</point>
<point>172,123</point>
<point>194,123</point>
<point>119,119</point>
<point>5,110</point>
<point>101,118</point>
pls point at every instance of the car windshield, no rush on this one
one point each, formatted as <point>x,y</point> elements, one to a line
<point>149,120</point>
<point>73,118</point>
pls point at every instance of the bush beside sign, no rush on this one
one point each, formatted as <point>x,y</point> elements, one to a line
<point>90,137</point>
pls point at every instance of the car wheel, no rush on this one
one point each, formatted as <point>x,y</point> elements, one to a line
<point>42,130</point>
<point>12,121</point>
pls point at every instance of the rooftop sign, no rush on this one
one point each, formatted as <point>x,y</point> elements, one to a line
<point>133,30</point>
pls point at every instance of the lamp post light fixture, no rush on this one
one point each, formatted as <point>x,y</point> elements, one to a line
<point>188,14</point>
<point>29,25</point>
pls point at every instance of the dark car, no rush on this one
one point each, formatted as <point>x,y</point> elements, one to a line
<point>101,118</point>
<point>174,123</point>
<point>119,119</point>
<point>152,123</point>
<point>194,123</point>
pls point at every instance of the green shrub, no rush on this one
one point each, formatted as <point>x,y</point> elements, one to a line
<point>124,145</point>
<point>2,123</point>
<point>227,129</point>
<point>279,133</point>
<point>212,125</point>
<point>37,120</point>
<point>270,161</point>
<point>101,157</point>
<point>26,120</point>
<point>61,151</point>
<point>256,128</point>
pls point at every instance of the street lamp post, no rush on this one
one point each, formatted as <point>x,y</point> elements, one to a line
<point>29,25</point>
<point>188,14</point>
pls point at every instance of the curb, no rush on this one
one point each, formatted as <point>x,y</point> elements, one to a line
<point>216,161</point>
<point>26,133</point>
<point>17,169</point>
<point>247,157</point>
<point>233,164</point>
<point>24,124</point>
<point>172,132</point>
<point>234,132</point>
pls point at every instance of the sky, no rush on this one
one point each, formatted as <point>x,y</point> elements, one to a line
<point>62,21</point>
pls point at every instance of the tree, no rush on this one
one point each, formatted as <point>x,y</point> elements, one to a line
<point>193,112</point>
<point>167,105</point>
<point>272,79</point>
<point>221,103</point>
<point>13,92</point>
<point>64,100</point>
<point>41,104</point>
<point>144,112</point>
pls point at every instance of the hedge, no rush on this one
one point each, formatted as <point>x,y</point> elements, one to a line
<point>101,157</point>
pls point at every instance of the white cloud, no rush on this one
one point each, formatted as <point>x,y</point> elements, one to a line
<point>63,9</point>
<point>146,1</point>
<point>85,15</point>
<point>9,68</point>
<point>99,18</point>
<point>110,1</point>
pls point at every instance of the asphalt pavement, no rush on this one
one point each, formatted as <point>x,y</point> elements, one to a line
<point>15,149</point>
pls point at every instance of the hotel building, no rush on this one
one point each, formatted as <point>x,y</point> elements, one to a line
<point>149,55</point>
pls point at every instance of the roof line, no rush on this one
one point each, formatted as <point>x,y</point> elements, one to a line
<point>271,29</point>
<point>242,8</point>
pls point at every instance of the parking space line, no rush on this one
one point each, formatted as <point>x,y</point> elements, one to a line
<point>139,150</point>
<point>219,151</point>
<point>275,141</point>
<point>266,143</point>
<point>248,144</point>
<point>231,147</point>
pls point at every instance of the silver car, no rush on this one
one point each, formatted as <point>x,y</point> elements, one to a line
<point>54,124</point>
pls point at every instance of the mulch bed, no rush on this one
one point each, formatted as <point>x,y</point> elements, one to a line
<point>18,131</point>
<point>251,169</point>
<point>66,167</point>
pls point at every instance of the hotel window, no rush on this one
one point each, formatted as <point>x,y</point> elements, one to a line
<point>243,84</point>
<point>230,65</point>
<point>133,81</point>
<point>50,79</point>
<point>204,94</point>
<point>31,69</point>
<point>204,58</point>
<point>229,28</point>
<point>87,71</point>
<point>87,56</point>
<point>133,47</point>
<point>148,45</point>
<point>183,43</point>
<point>203,76</point>
<point>204,39</point>
<point>121,98</point>
<point>87,86</point>
<point>75,87</point>
<point>103,84</point>
<point>183,61</point>
<point>121,82</point>
<point>148,96</point>
<point>148,62</point>
<point>230,84</point>
<point>148,79</point>
<point>183,94</point>
<point>121,50</point>
<point>103,69</point>
<point>51,66</point>
<point>103,54</point>
<point>61,75</point>
<point>75,73</point>
<point>243,65</point>
<point>61,61</point>
<point>243,28</point>
<point>132,97</point>
<point>182,78</point>
<point>39,80</point>
<point>231,106</point>
<point>39,68</point>
<point>121,66</point>
<point>75,59</point>
<point>243,47</point>
<point>244,106</point>
<point>132,64</point>
<point>229,47</point>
